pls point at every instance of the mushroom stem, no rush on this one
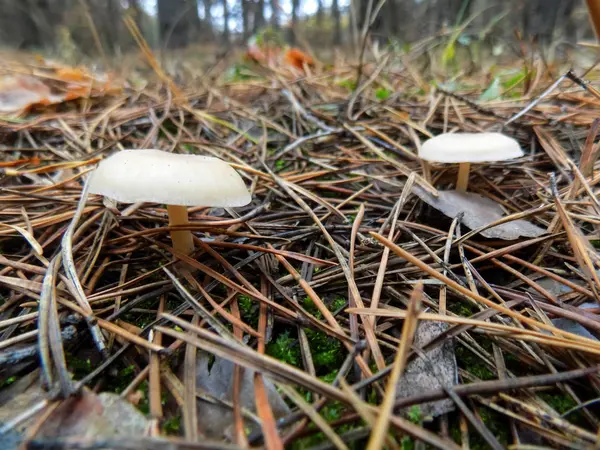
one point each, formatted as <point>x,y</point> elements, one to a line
<point>463,176</point>
<point>182,239</point>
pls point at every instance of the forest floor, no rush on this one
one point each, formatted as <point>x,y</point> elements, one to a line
<point>355,303</point>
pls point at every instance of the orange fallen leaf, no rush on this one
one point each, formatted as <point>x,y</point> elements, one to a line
<point>262,56</point>
<point>71,74</point>
<point>297,58</point>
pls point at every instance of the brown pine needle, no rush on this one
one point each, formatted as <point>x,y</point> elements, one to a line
<point>408,332</point>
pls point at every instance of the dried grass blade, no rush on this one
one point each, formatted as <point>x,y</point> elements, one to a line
<point>355,227</point>
<point>589,154</point>
<point>248,358</point>
<point>31,240</point>
<point>520,333</point>
<point>466,292</point>
<point>355,295</point>
<point>198,308</point>
<point>129,336</point>
<point>316,418</point>
<point>263,407</point>
<point>274,251</point>
<point>394,162</point>
<point>386,251</point>
<point>369,413</point>
<point>71,272</point>
<point>154,388</point>
<point>190,410</point>
<point>408,332</point>
<point>580,246</point>
<point>49,337</point>
<point>240,433</point>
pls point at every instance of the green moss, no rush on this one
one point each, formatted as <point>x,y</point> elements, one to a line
<point>331,412</point>
<point>285,348</point>
<point>415,415</point>
<point>123,379</point>
<point>348,84</point>
<point>327,352</point>
<point>78,367</point>
<point>559,401</point>
<point>471,363</point>
<point>462,309</point>
<point>562,402</point>
<point>249,310</point>
<point>172,425</point>
<point>407,443</point>
<point>144,404</point>
<point>310,306</point>
<point>382,94</point>
<point>7,382</point>
<point>495,422</point>
<point>338,303</point>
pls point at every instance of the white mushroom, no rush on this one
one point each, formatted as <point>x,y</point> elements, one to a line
<point>133,176</point>
<point>467,148</point>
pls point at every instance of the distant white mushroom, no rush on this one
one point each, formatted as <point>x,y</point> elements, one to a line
<point>132,176</point>
<point>467,148</point>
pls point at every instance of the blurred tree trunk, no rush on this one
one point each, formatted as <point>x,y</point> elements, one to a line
<point>295,7</point>
<point>540,18</point>
<point>390,19</point>
<point>570,27</point>
<point>319,12</point>
<point>337,30</point>
<point>206,29</point>
<point>448,12</point>
<point>113,25</point>
<point>226,22</point>
<point>36,21</point>
<point>259,15</point>
<point>274,19</point>
<point>245,19</point>
<point>135,12</point>
<point>176,19</point>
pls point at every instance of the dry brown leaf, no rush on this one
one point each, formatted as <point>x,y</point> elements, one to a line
<point>20,93</point>
<point>84,416</point>
<point>439,370</point>
<point>479,211</point>
<point>216,421</point>
<point>94,416</point>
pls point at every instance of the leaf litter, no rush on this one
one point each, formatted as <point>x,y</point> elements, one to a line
<point>296,274</point>
<point>479,212</point>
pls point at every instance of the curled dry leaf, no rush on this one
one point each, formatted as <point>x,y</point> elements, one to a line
<point>479,211</point>
<point>215,421</point>
<point>20,93</point>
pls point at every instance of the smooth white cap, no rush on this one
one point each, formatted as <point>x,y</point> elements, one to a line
<point>132,176</point>
<point>470,147</point>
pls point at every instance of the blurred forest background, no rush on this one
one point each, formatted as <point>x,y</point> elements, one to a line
<point>90,27</point>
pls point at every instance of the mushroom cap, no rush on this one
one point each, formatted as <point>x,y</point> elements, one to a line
<point>132,176</point>
<point>470,147</point>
